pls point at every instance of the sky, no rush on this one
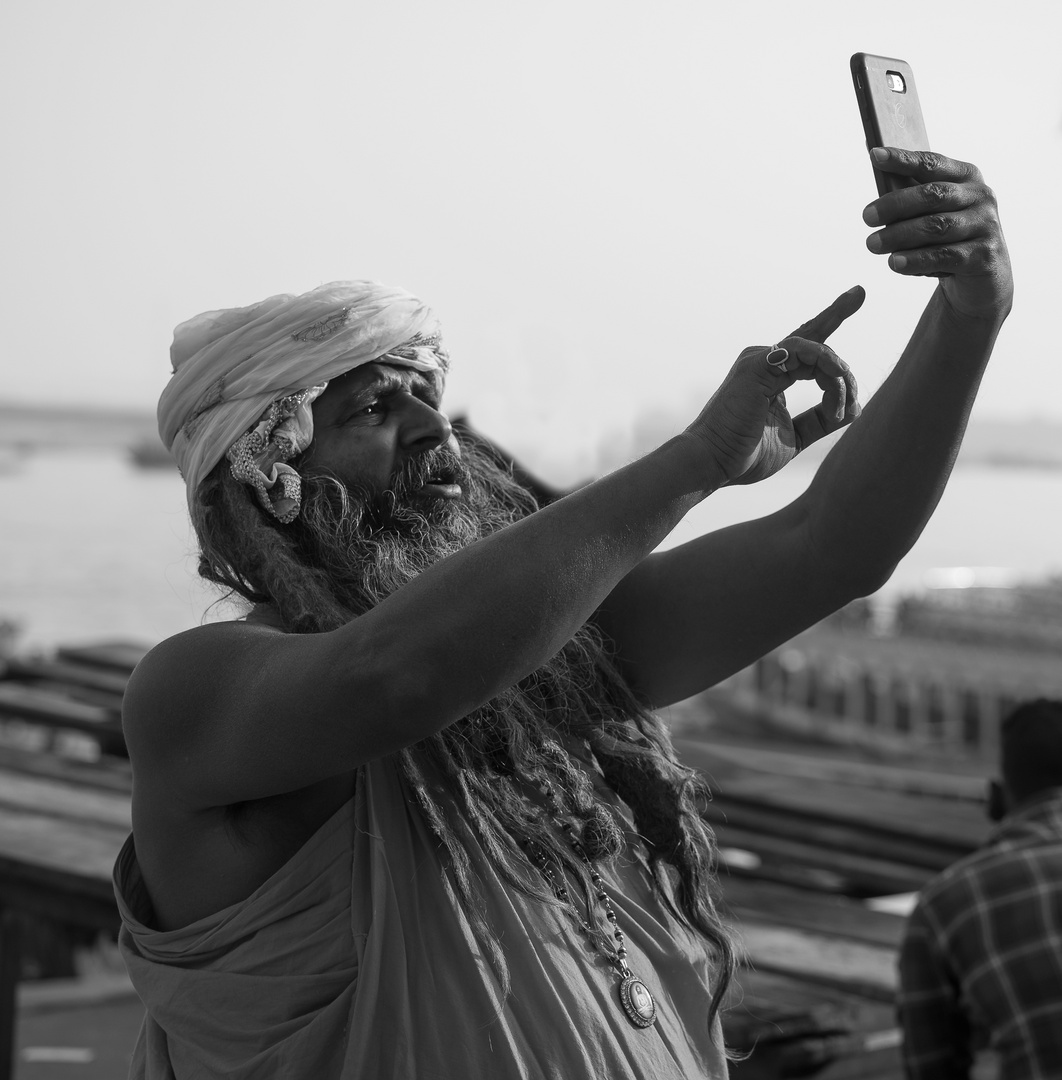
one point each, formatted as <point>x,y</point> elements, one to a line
<point>604,201</point>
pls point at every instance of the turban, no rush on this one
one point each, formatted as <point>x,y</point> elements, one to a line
<point>244,378</point>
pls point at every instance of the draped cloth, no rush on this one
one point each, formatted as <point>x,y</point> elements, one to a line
<point>354,960</point>
<point>230,366</point>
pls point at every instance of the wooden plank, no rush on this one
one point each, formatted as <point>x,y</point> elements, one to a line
<point>794,1028</point>
<point>748,1023</point>
<point>765,993</point>
<point>950,823</point>
<point>838,769</point>
<point>830,1057</point>
<point>108,773</point>
<point>118,655</point>
<point>38,846</point>
<point>58,712</point>
<point>750,817</point>
<point>63,900</point>
<point>733,865</point>
<point>839,916</point>
<point>861,874</point>
<point>868,970</point>
<point>47,707</point>
<point>741,864</point>
<point>87,695</point>
<point>943,823</point>
<point>879,1058</point>
<point>63,800</point>
<point>67,671</point>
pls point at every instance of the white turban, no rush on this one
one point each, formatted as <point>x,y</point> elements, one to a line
<point>255,371</point>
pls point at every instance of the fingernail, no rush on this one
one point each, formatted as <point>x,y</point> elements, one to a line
<point>879,154</point>
<point>871,215</point>
<point>874,242</point>
<point>898,262</point>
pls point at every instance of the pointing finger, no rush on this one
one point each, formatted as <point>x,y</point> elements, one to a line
<point>829,319</point>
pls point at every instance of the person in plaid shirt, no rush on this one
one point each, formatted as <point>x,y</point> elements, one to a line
<point>981,960</point>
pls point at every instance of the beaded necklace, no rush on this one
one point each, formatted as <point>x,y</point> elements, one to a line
<point>634,996</point>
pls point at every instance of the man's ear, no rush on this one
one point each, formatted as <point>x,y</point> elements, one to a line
<point>996,807</point>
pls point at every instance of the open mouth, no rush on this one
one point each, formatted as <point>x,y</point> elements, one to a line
<point>437,490</point>
<point>443,485</point>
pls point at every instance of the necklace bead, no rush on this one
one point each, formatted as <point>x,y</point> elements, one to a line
<point>634,996</point>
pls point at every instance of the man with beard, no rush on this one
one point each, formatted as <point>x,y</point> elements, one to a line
<point>413,816</point>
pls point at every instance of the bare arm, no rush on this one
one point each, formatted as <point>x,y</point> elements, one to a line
<point>234,712</point>
<point>240,712</point>
<point>686,618</point>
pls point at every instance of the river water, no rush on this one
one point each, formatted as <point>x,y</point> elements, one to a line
<point>94,548</point>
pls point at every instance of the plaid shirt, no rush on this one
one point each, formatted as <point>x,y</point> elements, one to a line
<point>981,961</point>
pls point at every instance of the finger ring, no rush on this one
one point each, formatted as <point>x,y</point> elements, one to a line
<point>782,355</point>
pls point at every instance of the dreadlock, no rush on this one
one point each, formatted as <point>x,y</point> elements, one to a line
<point>336,561</point>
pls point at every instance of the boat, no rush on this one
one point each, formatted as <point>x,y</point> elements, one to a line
<point>149,453</point>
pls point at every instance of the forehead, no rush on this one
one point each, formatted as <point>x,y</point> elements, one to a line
<point>377,377</point>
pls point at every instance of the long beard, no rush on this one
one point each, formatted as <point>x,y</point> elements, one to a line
<point>370,543</point>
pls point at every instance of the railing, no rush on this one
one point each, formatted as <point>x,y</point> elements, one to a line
<point>896,691</point>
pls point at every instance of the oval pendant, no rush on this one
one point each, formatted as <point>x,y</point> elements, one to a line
<point>637,1002</point>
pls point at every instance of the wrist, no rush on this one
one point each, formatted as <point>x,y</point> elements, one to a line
<point>700,462</point>
<point>989,315</point>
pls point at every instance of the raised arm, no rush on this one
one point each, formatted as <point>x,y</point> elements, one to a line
<point>686,618</point>
<point>232,712</point>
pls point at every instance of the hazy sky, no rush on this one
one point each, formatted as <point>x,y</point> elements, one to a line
<point>604,201</point>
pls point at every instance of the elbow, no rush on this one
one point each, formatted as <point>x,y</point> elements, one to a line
<point>857,582</point>
<point>847,568</point>
<point>868,579</point>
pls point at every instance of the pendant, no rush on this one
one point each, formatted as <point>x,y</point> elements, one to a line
<point>637,1002</point>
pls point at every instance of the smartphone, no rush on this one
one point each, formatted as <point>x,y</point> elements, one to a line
<point>888,103</point>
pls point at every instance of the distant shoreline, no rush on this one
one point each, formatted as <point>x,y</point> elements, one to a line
<point>25,428</point>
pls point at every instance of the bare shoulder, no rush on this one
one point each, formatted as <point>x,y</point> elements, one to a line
<point>187,673</point>
<point>211,820</point>
<point>182,689</point>
<point>238,711</point>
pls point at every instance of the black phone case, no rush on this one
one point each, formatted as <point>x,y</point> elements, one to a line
<point>889,118</point>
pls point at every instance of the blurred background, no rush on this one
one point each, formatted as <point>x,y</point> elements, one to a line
<point>604,201</point>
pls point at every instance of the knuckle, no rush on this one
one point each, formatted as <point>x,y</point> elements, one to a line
<point>941,256</point>
<point>937,224</point>
<point>988,254</point>
<point>933,162</point>
<point>935,192</point>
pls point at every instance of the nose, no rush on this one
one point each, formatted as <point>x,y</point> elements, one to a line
<point>424,427</point>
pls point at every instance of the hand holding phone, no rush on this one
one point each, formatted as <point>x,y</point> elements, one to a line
<point>889,107</point>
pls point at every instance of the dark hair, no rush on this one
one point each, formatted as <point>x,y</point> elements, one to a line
<point>1031,748</point>
<point>320,572</point>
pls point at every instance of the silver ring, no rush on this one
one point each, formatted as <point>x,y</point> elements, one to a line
<point>784,356</point>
